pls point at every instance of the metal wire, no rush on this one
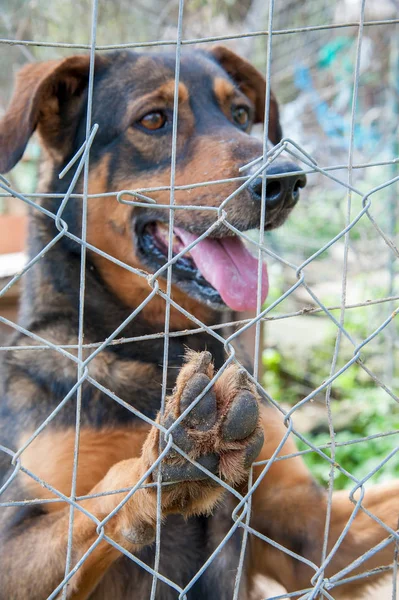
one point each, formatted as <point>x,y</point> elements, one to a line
<point>356,214</point>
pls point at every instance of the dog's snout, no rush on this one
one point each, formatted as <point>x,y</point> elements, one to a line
<point>283,182</point>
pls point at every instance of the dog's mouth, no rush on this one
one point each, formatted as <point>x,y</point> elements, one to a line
<point>218,271</point>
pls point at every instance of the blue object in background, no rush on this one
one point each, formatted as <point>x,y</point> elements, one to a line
<point>336,126</point>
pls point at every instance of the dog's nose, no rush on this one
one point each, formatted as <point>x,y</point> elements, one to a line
<point>282,190</point>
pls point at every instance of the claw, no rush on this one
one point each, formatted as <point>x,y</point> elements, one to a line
<point>204,361</point>
<point>242,377</point>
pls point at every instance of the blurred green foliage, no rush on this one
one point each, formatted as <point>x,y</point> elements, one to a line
<point>377,414</point>
<point>359,408</point>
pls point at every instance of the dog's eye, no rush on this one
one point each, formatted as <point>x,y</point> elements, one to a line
<point>152,121</point>
<point>241,115</point>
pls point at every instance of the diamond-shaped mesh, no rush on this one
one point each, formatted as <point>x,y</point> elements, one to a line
<point>359,212</point>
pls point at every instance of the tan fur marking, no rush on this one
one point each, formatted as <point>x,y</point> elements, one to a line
<point>167,91</point>
<point>50,457</point>
<point>223,89</point>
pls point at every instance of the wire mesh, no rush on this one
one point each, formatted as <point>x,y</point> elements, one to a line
<point>358,209</point>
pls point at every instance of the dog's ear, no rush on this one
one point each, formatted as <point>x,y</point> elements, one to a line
<point>252,83</point>
<point>47,97</point>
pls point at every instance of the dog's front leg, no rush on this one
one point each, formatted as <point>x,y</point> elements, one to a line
<point>290,508</point>
<point>222,433</point>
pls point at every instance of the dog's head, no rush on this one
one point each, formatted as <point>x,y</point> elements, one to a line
<point>220,97</point>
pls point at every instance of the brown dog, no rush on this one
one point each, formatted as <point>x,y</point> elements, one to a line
<point>220,97</point>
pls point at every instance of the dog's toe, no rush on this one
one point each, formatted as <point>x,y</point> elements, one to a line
<point>221,431</point>
<point>242,417</point>
<point>203,415</point>
<point>187,471</point>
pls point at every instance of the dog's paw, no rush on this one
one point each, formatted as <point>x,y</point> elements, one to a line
<point>221,432</point>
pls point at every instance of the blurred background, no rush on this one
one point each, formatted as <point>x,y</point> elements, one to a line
<point>313,62</point>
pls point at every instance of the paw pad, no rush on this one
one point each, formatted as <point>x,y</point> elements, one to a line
<point>221,432</point>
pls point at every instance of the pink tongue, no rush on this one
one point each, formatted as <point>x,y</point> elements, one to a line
<point>229,267</point>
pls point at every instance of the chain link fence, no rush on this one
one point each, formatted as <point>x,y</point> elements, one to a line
<point>340,114</point>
